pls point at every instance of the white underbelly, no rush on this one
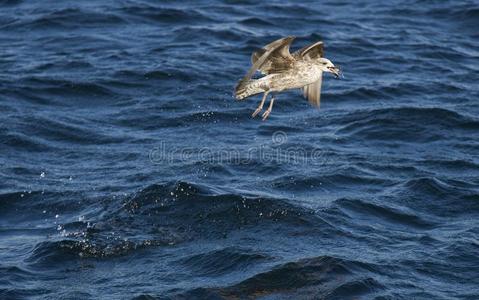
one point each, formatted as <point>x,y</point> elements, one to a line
<point>292,80</point>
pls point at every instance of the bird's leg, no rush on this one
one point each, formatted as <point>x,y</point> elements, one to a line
<point>260,107</point>
<point>268,111</point>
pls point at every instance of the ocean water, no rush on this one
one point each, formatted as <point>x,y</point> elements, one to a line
<point>128,170</point>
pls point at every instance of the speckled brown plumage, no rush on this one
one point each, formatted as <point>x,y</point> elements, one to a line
<point>283,71</point>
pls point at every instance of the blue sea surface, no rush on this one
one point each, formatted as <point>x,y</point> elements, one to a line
<point>128,170</point>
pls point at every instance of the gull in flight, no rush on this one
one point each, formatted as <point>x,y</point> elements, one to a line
<point>283,71</point>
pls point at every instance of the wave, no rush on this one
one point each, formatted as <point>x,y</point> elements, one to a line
<point>188,33</point>
<point>393,91</point>
<point>180,119</point>
<point>14,274</point>
<point>65,88</point>
<point>18,141</point>
<point>395,215</point>
<point>348,177</point>
<point>60,92</point>
<point>52,133</point>
<point>65,253</point>
<point>20,209</point>
<point>165,15</point>
<point>223,261</point>
<point>256,22</point>
<point>169,214</point>
<point>419,124</point>
<point>10,2</point>
<point>437,194</point>
<point>65,18</point>
<point>323,277</point>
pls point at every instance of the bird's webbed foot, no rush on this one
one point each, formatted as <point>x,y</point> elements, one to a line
<point>268,111</point>
<point>260,107</point>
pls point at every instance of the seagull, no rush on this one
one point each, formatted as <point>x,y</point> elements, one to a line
<point>283,71</point>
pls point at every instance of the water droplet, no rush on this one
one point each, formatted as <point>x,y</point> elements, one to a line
<point>42,175</point>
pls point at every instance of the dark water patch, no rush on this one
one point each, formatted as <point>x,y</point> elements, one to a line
<point>318,276</point>
<point>10,2</point>
<point>278,133</point>
<point>162,15</point>
<point>402,124</point>
<point>461,12</point>
<point>79,42</point>
<point>62,93</point>
<point>361,287</point>
<point>223,261</point>
<point>127,79</point>
<point>49,254</point>
<point>174,82</point>
<point>21,209</point>
<point>12,274</point>
<point>289,9</point>
<point>445,270</point>
<point>460,253</point>
<point>205,117</point>
<point>432,186</point>
<point>20,94</point>
<point>382,92</point>
<point>241,2</point>
<point>61,66</point>
<point>70,18</point>
<point>300,183</point>
<point>22,293</point>
<point>186,34</point>
<point>441,53</point>
<point>227,211</point>
<point>168,215</point>
<point>392,170</point>
<point>65,88</point>
<point>171,74</point>
<point>437,197</point>
<point>4,22</point>
<point>67,253</point>
<point>393,215</point>
<point>67,131</point>
<point>255,22</point>
<point>178,118</point>
<point>22,141</point>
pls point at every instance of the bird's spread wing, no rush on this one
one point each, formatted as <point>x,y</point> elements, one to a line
<point>313,92</point>
<point>312,51</point>
<point>271,58</point>
<point>278,60</point>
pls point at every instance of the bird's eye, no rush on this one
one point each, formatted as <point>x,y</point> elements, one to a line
<point>324,63</point>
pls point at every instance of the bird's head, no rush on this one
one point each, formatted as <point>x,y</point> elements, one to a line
<point>327,66</point>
